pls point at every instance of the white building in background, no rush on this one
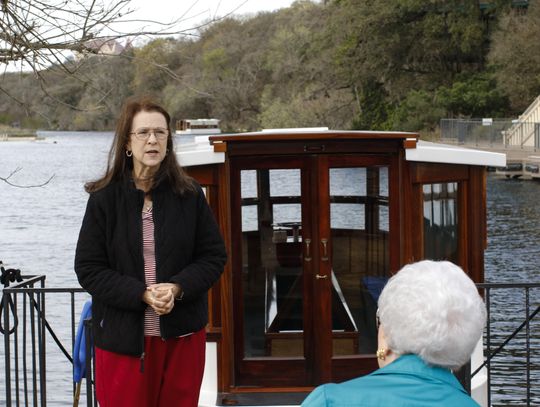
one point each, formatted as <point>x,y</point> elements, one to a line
<point>105,46</point>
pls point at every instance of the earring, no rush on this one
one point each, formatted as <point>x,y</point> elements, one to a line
<point>381,354</point>
<point>129,153</point>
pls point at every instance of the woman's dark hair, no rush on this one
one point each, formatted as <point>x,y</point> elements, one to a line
<point>119,165</point>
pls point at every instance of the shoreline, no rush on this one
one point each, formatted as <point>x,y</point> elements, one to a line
<point>21,137</point>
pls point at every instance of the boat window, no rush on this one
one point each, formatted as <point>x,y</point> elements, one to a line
<point>272,273</point>
<point>359,220</point>
<point>441,221</point>
<point>249,183</point>
<point>285,182</point>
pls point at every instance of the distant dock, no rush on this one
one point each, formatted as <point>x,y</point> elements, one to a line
<point>521,162</point>
<point>18,135</point>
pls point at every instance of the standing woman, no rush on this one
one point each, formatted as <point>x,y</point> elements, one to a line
<point>149,250</point>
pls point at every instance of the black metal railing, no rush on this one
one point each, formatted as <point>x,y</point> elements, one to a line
<point>512,338</point>
<point>32,347</point>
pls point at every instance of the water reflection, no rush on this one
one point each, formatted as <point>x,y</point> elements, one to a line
<point>512,256</point>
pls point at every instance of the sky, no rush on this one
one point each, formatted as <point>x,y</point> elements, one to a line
<point>187,13</point>
<point>194,12</point>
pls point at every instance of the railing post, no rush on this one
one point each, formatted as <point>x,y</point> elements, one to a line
<point>88,351</point>
<point>528,349</point>
<point>6,297</point>
<point>42,349</point>
<point>488,343</point>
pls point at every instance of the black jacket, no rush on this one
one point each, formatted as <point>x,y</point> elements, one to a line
<point>110,266</point>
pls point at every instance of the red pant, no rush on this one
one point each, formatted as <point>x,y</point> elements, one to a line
<point>173,372</point>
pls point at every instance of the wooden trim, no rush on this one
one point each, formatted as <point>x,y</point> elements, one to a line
<point>397,197</point>
<point>463,224</point>
<point>410,232</point>
<point>322,293</point>
<point>477,225</point>
<point>206,175</point>
<point>213,334</point>
<point>263,397</point>
<point>310,147</point>
<point>409,143</point>
<point>220,147</point>
<point>432,173</point>
<point>315,135</point>
<point>224,347</point>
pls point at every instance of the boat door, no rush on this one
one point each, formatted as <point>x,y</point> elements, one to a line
<point>311,239</point>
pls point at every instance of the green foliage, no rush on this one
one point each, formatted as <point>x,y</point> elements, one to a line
<point>6,119</point>
<point>373,106</point>
<point>515,55</point>
<point>306,110</point>
<point>152,63</point>
<point>475,96</point>
<point>405,44</point>
<point>418,111</point>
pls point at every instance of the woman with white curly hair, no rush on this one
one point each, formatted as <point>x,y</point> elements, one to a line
<point>431,317</point>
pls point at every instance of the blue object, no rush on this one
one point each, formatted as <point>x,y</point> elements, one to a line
<point>79,350</point>
<point>375,286</point>
<point>407,381</point>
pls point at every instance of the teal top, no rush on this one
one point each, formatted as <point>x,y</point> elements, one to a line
<point>406,382</point>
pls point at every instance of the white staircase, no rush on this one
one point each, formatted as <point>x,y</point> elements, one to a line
<point>525,132</point>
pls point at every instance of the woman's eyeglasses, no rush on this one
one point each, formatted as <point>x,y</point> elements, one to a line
<point>377,319</point>
<point>144,133</point>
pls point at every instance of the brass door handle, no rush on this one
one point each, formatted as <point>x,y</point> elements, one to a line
<point>324,253</point>
<point>319,277</point>
<point>308,256</point>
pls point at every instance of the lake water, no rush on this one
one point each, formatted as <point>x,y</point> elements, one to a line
<point>39,229</point>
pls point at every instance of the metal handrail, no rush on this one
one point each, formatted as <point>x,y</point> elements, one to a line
<point>33,332</point>
<point>37,317</point>
<point>487,287</point>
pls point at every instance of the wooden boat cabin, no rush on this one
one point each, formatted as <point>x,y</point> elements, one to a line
<point>315,222</point>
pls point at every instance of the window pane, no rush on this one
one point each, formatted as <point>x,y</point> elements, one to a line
<point>441,221</point>
<point>248,180</point>
<point>359,220</point>
<point>272,277</point>
<point>285,182</point>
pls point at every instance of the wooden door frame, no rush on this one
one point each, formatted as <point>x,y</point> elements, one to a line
<point>336,366</point>
<point>320,367</point>
<point>254,370</point>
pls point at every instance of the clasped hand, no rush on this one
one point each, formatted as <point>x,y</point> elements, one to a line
<point>161,297</point>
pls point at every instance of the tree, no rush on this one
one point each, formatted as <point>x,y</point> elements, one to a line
<point>226,73</point>
<point>154,65</point>
<point>473,96</point>
<point>406,44</point>
<point>514,55</point>
<point>46,35</point>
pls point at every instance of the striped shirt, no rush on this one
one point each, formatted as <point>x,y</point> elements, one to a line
<point>151,319</point>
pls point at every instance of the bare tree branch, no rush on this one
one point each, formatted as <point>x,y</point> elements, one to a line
<point>16,170</point>
<point>40,34</point>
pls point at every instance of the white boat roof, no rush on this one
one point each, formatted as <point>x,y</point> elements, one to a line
<point>199,151</point>
<point>426,151</point>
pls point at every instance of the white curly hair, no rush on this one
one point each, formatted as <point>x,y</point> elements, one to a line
<point>432,309</point>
